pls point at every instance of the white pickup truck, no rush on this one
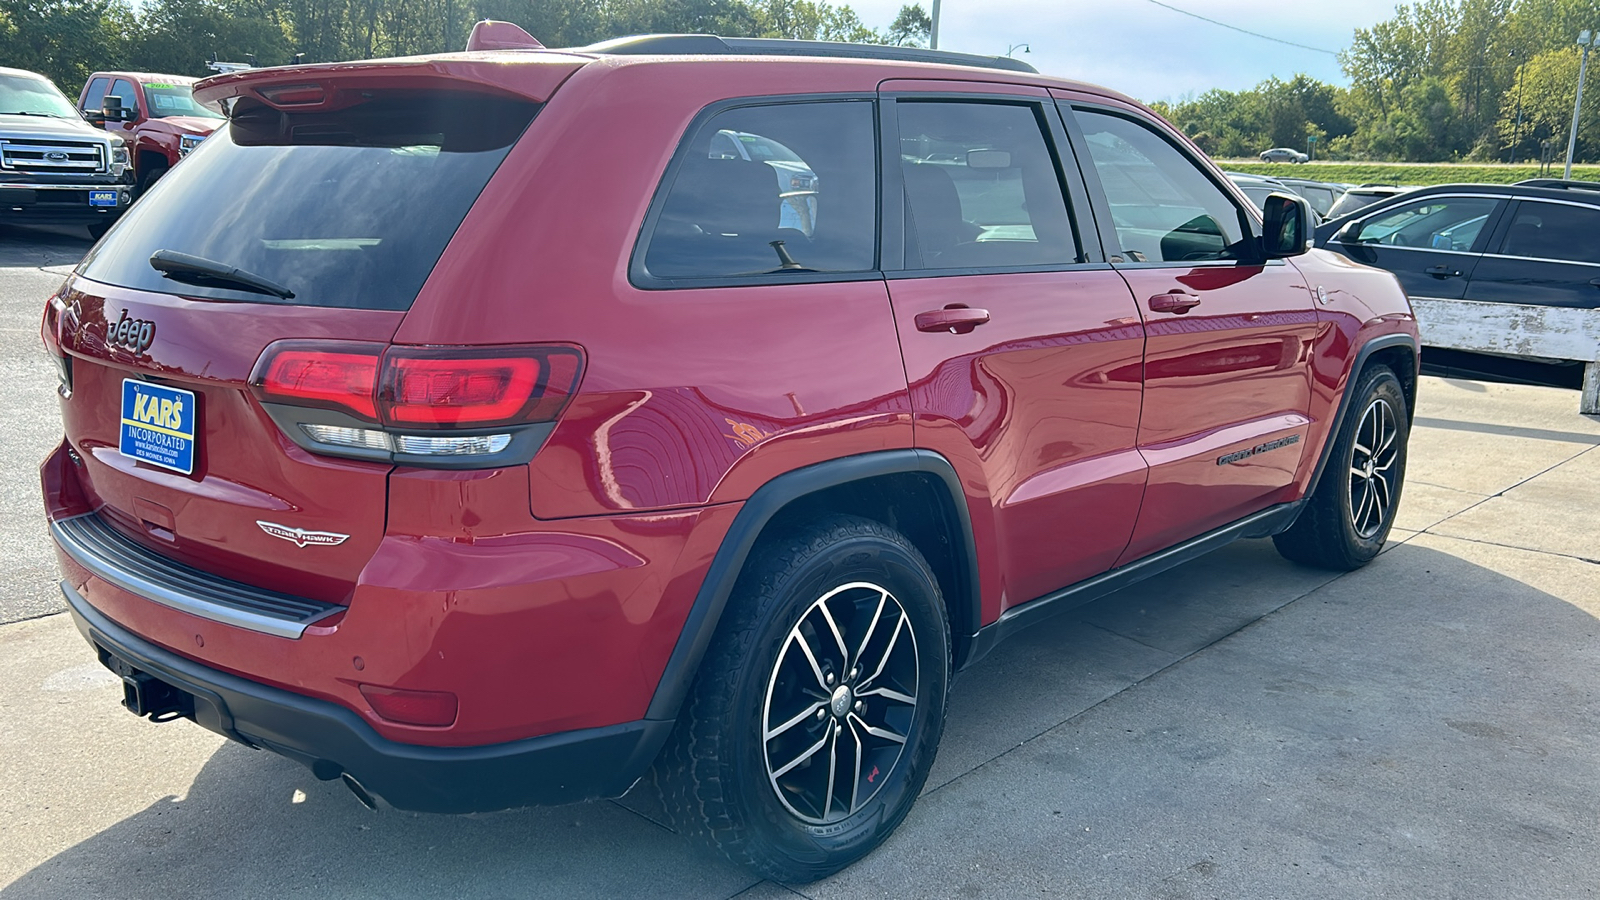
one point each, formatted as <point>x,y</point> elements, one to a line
<point>55,168</point>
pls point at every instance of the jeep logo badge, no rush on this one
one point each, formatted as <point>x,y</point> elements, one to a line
<point>56,156</point>
<point>131,334</point>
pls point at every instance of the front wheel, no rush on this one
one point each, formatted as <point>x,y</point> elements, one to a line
<point>814,720</point>
<point>1348,517</point>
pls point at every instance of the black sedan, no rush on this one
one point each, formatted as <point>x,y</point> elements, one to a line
<point>1534,242</point>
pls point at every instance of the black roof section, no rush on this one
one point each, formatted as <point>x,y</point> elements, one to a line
<point>712,45</point>
<point>1560,184</point>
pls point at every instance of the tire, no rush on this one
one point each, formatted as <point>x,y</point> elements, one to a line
<point>1348,517</point>
<point>149,177</point>
<point>775,698</point>
<point>97,230</point>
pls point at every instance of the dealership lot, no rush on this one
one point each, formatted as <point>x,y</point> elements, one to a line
<point>1242,727</point>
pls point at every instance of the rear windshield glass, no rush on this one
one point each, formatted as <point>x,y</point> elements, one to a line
<point>344,209</point>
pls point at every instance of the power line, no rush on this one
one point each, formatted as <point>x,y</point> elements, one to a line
<point>1255,34</point>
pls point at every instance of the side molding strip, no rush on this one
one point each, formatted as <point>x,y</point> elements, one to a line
<point>1269,521</point>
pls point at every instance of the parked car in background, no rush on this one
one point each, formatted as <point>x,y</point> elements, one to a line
<point>158,117</point>
<point>1534,243</point>
<point>55,168</point>
<point>1258,187</point>
<point>1283,154</point>
<point>716,493</point>
<point>1361,196</point>
<point>1322,195</point>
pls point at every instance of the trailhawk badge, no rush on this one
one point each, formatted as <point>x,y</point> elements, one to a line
<point>300,536</point>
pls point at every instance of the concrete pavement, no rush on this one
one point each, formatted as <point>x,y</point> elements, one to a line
<point>1238,727</point>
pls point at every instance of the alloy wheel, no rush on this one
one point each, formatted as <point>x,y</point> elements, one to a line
<point>1372,475</point>
<point>840,703</point>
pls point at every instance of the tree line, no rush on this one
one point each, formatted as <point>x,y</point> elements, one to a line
<point>1441,80</point>
<point>68,39</point>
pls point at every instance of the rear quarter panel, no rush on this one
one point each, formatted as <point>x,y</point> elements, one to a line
<point>690,396</point>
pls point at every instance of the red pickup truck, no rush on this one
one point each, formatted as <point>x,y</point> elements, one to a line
<point>158,117</point>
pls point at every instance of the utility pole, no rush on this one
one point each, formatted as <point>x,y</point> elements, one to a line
<point>1585,40</point>
<point>933,36</point>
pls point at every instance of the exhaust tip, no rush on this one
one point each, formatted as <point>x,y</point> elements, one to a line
<point>360,792</point>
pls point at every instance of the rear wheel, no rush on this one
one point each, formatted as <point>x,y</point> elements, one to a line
<point>1348,517</point>
<point>817,712</point>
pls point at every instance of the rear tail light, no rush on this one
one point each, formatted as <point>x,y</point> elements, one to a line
<point>450,403</point>
<point>50,331</point>
<point>321,375</point>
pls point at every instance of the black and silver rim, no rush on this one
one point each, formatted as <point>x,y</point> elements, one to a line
<point>1372,475</point>
<point>840,703</point>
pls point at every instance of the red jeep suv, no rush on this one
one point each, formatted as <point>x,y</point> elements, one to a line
<point>491,428</point>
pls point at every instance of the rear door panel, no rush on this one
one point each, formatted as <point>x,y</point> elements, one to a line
<point>1044,396</point>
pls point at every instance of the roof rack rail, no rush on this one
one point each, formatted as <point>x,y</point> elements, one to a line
<point>1560,184</point>
<point>712,45</point>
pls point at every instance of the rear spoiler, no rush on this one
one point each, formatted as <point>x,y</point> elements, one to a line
<point>330,86</point>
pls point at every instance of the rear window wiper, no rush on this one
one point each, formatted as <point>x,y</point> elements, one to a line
<point>202,271</point>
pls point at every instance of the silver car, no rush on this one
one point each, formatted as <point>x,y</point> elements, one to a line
<point>1283,154</point>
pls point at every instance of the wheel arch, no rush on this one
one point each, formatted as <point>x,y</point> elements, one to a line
<point>1400,353</point>
<point>916,492</point>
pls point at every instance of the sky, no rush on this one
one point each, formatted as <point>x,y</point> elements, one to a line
<point>1146,50</point>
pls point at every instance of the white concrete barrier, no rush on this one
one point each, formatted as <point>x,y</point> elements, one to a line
<point>1550,332</point>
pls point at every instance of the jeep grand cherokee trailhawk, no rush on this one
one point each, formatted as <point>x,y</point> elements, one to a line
<point>496,428</point>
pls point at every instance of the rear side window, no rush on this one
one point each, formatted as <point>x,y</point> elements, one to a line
<point>124,90</point>
<point>1554,231</point>
<point>1438,223</point>
<point>1164,207</point>
<point>776,189</point>
<point>345,209</point>
<point>981,187</point>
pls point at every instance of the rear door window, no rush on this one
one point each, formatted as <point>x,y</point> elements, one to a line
<point>787,188</point>
<point>1554,231</point>
<point>981,187</point>
<point>1438,223</point>
<point>124,89</point>
<point>1163,206</point>
<point>344,209</point>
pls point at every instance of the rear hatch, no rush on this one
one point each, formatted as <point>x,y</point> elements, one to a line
<point>314,219</point>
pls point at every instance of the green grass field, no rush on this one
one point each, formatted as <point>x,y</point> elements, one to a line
<point>1404,173</point>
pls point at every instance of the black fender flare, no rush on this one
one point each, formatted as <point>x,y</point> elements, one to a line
<point>1382,342</point>
<point>763,505</point>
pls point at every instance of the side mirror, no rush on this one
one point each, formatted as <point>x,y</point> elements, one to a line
<point>95,118</point>
<point>1287,227</point>
<point>112,110</point>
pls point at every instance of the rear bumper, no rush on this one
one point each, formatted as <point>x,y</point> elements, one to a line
<point>333,741</point>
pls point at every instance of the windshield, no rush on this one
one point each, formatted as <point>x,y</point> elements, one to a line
<point>21,95</point>
<point>343,209</point>
<point>171,99</point>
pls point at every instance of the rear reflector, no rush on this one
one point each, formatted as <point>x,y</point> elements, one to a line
<point>433,708</point>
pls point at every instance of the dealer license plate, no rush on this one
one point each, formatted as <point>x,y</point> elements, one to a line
<point>158,425</point>
<point>102,198</point>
